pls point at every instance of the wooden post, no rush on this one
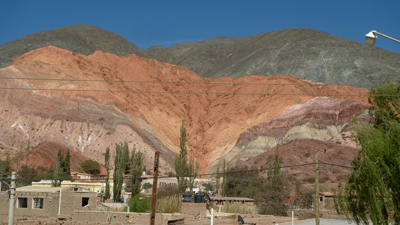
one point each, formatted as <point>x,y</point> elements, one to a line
<point>154,194</point>
<point>316,190</point>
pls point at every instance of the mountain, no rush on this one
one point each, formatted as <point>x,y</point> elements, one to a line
<point>305,53</point>
<point>88,103</point>
<point>81,39</point>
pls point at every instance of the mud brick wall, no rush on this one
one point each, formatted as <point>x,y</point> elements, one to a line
<point>122,217</point>
<point>188,209</point>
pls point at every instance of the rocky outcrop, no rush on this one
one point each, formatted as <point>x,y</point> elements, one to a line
<point>320,118</point>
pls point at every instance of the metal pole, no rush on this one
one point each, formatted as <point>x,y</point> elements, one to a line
<point>212,216</point>
<point>292,217</point>
<point>12,199</point>
<point>154,194</point>
<point>316,191</point>
<point>388,37</point>
<point>59,203</point>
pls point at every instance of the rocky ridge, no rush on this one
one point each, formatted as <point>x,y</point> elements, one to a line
<point>306,53</point>
<point>88,103</point>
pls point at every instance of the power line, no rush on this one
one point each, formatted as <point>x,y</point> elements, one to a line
<point>186,92</point>
<point>163,82</point>
<point>204,174</point>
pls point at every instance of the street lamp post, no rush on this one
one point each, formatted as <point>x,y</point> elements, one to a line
<point>371,38</point>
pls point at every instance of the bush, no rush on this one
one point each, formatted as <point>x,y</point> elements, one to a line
<point>139,203</point>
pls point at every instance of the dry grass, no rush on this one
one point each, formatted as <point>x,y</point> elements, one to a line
<point>169,204</point>
<point>238,208</point>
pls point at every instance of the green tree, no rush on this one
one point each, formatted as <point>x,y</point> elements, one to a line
<point>136,171</point>
<point>67,163</point>
<point>107,165</point>
<point>193,169</point>
<point>91,167</point>
<point>120,163</point>
<point>272,197</point>
<point>217,180</point>
<point>181,166</point>
<point>62,169</point>
<point>4,169</point>
<point>373,188</point>
<point>225,179</point>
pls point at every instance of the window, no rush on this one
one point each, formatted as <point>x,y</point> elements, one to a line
<point>85,202</point>
<point>38,203</point>
<point>22,202</point>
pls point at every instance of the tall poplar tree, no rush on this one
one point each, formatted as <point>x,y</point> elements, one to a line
<point>120,164</point>
<point>181,166</point>
<point>63,170</point>
<point>136,171</point>
<point>107,165</point>
<point>193,169</point>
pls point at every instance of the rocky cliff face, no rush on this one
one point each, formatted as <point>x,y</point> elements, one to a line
<point>88,103</point>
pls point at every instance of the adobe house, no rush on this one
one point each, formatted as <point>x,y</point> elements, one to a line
<point>35,202</point>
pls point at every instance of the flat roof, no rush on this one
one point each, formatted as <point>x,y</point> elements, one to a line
<point>49,189</point>
<point>232,199</point>
<point>40,189</point>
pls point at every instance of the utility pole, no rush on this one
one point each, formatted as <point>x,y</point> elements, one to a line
<point>316,190</point>
<point>12,199</point>
<point>154,194</point>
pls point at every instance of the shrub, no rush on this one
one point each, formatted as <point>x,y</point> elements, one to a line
<point>139,203</point>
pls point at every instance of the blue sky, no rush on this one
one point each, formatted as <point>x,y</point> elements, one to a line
<point>149,23</point>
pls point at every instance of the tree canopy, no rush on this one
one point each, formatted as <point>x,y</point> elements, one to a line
<point>91,167</point>
<point>373,188</point>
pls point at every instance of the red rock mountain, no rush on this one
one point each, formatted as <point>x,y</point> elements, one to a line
<point>88,103</point>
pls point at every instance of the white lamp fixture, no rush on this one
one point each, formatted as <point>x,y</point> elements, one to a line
<point>371,38</point>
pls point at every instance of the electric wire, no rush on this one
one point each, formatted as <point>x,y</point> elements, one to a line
<point>203,174</point>
<point>163,82</point>
<point>187,92</point>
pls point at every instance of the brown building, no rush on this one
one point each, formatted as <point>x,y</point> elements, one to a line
<point>33,203</point>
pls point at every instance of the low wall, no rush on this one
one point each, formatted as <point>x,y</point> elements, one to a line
<point>197,210</point>
<point>122,217</point>
<point>309,214</point>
